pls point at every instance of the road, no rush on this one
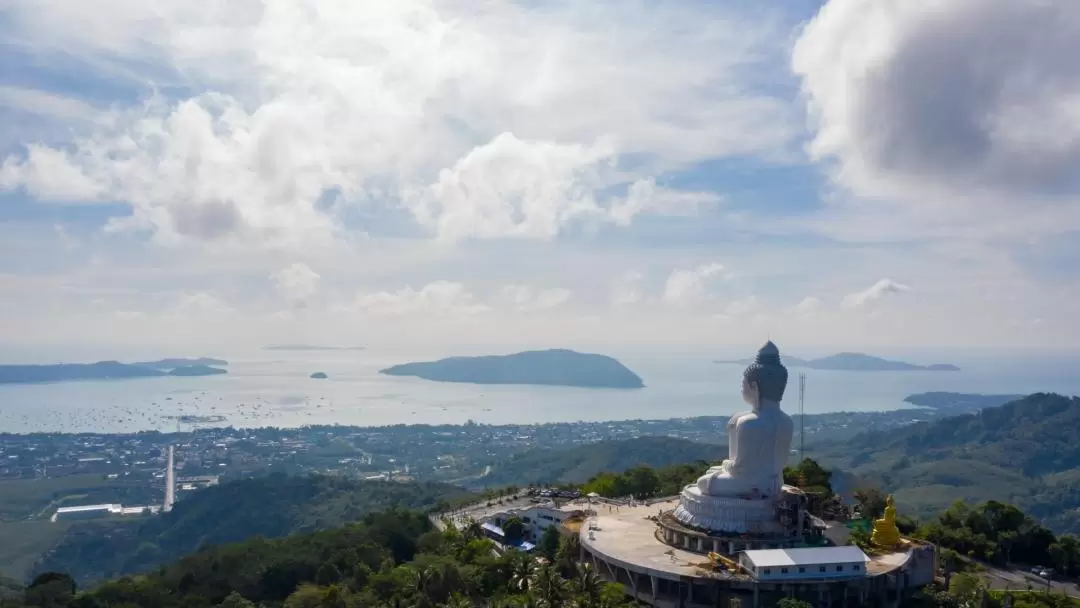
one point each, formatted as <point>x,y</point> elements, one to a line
<point>998,578</point>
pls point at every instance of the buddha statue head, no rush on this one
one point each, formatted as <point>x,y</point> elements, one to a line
<point>766,378</point>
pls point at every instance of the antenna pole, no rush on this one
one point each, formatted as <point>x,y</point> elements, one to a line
<point>802,416</point>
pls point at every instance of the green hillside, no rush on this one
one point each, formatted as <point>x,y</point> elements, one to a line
<point>1024,452</point>
<point>580,463</point>
<point>268,507</point>
<point>393,558</point>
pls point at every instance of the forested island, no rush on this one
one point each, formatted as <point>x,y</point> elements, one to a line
<point>556,367</point>
<point>310,347</point>
<point>102,370</point>
<point>197,370</point>
<point>959,402</point>
<point>857,362</point>
<point>175,362</point>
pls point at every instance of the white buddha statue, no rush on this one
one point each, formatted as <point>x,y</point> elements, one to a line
<point>759,441</point>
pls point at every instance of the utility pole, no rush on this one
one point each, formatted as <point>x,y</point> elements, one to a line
<point>802,416</point>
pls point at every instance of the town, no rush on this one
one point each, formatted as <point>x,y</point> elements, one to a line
<point>449,453</point>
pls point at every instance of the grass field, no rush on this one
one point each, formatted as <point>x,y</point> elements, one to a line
<point>28,498</point>
<point>22,542</point>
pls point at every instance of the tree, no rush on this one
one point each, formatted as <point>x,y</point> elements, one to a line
<point>547,586</point>
<point>235,600</point>
<point>549,542</point>
<point>327,575</point>
<point>514,529</point>
<point>790,602</point>
<point>567,556</point>
<point>966,588</point>
<point>50,589</point>
<point>307,596</point>
<point>473,530</point>
<point>810,476</point>
<point>588,586</point>
<point>871,502</point>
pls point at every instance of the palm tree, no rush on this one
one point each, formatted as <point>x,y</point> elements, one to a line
<point>459,601</point>
<point>473,530</point>
<point>547,586</point>
<point>425,583</point>
<point>566,556</point>
<point>521,571</point>
<point>588,585</point>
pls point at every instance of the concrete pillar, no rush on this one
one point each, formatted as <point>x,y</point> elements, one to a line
<point>655,583</point>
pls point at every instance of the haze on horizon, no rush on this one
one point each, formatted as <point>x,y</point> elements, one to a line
<point>194,178</point>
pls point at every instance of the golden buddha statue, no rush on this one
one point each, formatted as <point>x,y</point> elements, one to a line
<point>886,534</point>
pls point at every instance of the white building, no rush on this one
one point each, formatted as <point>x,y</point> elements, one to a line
<point>805,563</point>
<point>536,518</point>
<point>86,512</point>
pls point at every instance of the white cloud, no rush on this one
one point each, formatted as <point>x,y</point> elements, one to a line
<point>439,299</point>
<point>626,289</point>
<point>502,120</point>
<point>943,103</point>
<point>689,287</point>
<point>199,305</point>
<point>510,187</point>
<point>526,298</point>
<point>296,283</point>
<point>43,103</point>
<point>742,306</point>
<point>807,306</point>
<point>875,293</point>
<point>644,196</point>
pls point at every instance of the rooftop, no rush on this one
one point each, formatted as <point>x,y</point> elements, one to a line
<point>807,556</point>
<point>81,508</point>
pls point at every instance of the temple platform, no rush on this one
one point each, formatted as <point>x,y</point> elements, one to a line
<point>631,546</point>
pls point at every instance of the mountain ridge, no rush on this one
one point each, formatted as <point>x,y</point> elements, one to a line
<point>854,362</point>
<point>1022,452</point>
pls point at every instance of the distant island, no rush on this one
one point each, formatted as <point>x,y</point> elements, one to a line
<point>302,347</point>
<point>174,363</point>
<point>197,370</point>
<point>102,370</point>
<point>959,402</point>
<point>857,362</point>
<point>319,376</point>
<point>557,367</point>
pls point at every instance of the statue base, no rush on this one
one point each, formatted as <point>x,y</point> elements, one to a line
<point>738,515</point>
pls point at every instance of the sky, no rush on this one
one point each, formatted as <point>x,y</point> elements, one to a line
<point>854,174</point>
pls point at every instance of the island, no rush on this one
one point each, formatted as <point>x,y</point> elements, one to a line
<point>102,370</point>
<point>319,376</point>
<point>175,362</point>
<point>197,370</point>
<point>310,347</point>
<point>959,403</point>
<point>556,367</point>
<point>858,362</point>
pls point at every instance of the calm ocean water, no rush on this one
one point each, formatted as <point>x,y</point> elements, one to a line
<point>272,388</point>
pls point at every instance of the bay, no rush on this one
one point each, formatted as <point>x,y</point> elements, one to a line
<point>272,388</point>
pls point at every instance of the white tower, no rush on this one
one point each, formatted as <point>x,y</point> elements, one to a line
<point>170,483</point>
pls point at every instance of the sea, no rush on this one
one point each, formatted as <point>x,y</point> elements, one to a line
<point>272,388</point>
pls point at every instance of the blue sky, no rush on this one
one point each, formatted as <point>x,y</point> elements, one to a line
<point>862,174</point>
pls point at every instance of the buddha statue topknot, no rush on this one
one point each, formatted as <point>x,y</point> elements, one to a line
<point>759,444</point>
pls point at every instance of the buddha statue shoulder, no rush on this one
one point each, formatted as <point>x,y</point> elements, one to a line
<point>759,440</point>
